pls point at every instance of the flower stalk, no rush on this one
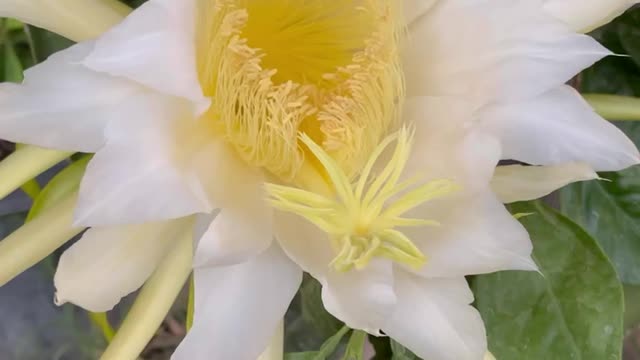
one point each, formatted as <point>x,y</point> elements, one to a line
<point>153,303</point>
<point>615,107</point>
<point>24,164</point>
<point>37,239</point>
<point>75,19</point>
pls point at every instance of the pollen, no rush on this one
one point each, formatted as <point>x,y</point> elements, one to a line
<point>278,68</point>
<point>363,218</point>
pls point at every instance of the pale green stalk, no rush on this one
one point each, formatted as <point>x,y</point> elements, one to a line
<point>191,303</point>
<point>24,164</point>
<point>101,321</point>
<point>77,20</point>
<point>489,356</point>
<point>153,303</point>
<point>37,239</point>
<point>615,107</point>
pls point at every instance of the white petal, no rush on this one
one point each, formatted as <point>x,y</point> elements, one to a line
<point>586,15</point>
<point>236,234</point>
<point>238,308</point>
<point>433,318</point>
<point>108,263</point>
<point>64,105</point>
<point>363,299</point>
<point>477,235</point>
<point>495,51</point>
<point>304,243</point>
<point>154,46</point>
<point>414,9</point>
<point>447,145</point>
<point>521,183</point>
<point>144,172</point>
<point>559,127</point>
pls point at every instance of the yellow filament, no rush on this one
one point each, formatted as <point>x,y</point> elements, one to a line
<point>275,69</point>
<point>361,220</point>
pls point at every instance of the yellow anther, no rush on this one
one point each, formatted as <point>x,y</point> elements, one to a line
<point>274,69</point>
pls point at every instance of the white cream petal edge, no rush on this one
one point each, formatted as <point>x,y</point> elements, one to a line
<point>238,308</point>
<point>586,15</point>
<point>109,263</point>
<point>495,51</point>
<point>477,235</point>
<point>362,299</point>
<point>433,318</point>
<point>154,46</point>
<point>63,105</point>
<point>522,183</point>
<point>559,127</point>
<point>235,235</point>
<point>144,172</point>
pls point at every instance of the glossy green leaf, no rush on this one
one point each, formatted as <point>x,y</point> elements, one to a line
<point>63,184</point>
<point>326,350</point>
<point>632,307</point>
<point>313,310</point>
<point>610,212</point>
<point>355,347</point>
<point>401,353</point>
<point>571,310</point>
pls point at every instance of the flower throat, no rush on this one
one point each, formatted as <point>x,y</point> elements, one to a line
<point>276,69</point>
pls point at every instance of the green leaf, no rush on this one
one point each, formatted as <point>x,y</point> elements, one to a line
<point>328,348</point>
<point>307,355</point>
<point>355,347</point>
<point>313,310</point>
<point>632,310</point>
<point>572,310</point>
<point>610,212</point>
<point>382,347</point>
<point>63,184</point>
<point>401,353</point>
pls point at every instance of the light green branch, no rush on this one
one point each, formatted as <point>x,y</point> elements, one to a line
<point>615,107</point>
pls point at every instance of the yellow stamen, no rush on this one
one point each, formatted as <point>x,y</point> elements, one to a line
<point>361,220</point>
<point>276,68</point>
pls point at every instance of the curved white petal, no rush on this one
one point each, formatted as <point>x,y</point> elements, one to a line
<point>236,234</point>
<point>433,318</point>
<point>495,50</point>
<point>154,46</point>
<point>522,183</point>
<point>145,172</point>
<point>476,235</point>
<point>108,263</point>
<point>447,144</point>
<point>559,127</point>
<point>238,308</point>
<point>586,15</point>
<point>363,299</point>
<point>63,105</point>
<point>304,243</point>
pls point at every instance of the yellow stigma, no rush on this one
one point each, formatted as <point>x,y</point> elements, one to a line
<point>276,68</point>
<point>362,220</point>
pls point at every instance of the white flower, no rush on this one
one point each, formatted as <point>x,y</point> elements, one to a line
<point>365,137</point>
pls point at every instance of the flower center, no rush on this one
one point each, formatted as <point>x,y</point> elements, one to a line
<point>362,220</point>
<point>277,68</point>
